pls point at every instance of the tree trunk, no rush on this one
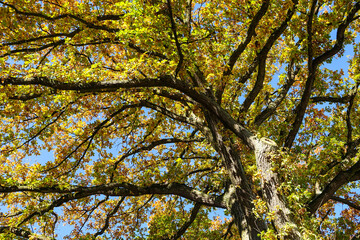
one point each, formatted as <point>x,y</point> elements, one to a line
<point>239,197</point>
<point>283,221</point>
<point>249,227</point>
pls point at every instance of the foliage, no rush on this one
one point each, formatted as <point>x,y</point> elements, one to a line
<point>142,119</point>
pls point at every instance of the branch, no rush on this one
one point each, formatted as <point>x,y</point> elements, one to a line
<point>271,108</point>
<point>31,50</point>
<point>152,145</point>
<point>162,81</point>
<point>342,178</point>
<point>187,224</point>
<point>262,59</point>
<point>356,236</point>
<point>23,233</point>
<point>168,113</point>
<point>312,66</point>
<point>61,16</point>
<point>250,33</point>
<point>92,42</point>
<point>150,53</point>
<point>344,99</point>
<point>90,138</point>
<point>172,95</point>
<point>188,14</point>
<point>121,189</point>
<point>108,216</point>
<point>95,86</point>
<point>346,201</point>
<point>110,17</point>
<point>178,46</point>
<point>26,97</point>
<point>208,169</point>
<point>241,48</point>
<point>340,36</point>
<point>90,212</point>
<point>348,114</point>
<point>228,230</point>
<point>60,113</point>
<point>69,35</point>
<point>301,108</point>
<point>257,87</point>
<point>309,28</point>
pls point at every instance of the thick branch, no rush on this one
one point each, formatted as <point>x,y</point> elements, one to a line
<point>257,87</point>
<point>90,86</point>
<point>340,36</point>
<point>187,224</point>
<point>162,81</point>
<point>309,28</point>
<point>262,59</point>
<point>309,82</point>
<point>61,16</point>
<point>178,47</point>
<point>271,108</point>
<point>346,201</point>
<point>338,181</point>
<point>348,115</point>
<point>123,189</point>
<point>23,233</point>
<point>312,66</point>
<point>240,49</point>
<point>344,99</point>
<point>250,33</point>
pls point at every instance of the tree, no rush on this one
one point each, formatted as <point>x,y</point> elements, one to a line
<point>151,114</point>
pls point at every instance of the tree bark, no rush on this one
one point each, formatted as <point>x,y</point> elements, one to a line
<point>239,197</point>
<point>283,221</point>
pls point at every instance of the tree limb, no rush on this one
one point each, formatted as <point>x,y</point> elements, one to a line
<point>344,99</point>
<point>61,16</point>
<point>23,233</point>
<point>346,201</point>
<point>150,53</point>
<point>177,43</point>
<point>301,108</point>
<point>121,189</point>
<point>187,224</point>
<point>29,40</point>
<point>250,33</point>
<point>338,181</point>
<point>271,108</point>
<point>340,36</point>
<point>161,81</point>
<point>348,115</point>
<point>313,63</point>
<point>152,145</point>
<point>262,55</point>
<point>108,216</point>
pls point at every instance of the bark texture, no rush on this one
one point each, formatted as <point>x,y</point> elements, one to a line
<point>264,153</point>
